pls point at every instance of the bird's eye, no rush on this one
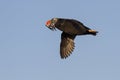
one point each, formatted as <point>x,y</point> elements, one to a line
<point>53,22</point>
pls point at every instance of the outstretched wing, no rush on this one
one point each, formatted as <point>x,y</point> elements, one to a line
<point>67,44</point>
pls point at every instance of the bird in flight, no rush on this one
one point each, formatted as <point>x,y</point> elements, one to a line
<point>70,29</point>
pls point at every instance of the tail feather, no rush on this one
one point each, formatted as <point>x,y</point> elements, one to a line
<point>93,32</point>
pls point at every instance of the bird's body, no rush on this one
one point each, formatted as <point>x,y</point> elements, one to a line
<point>71,28</point>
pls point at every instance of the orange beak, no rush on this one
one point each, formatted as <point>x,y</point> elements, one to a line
<point>48,23</point>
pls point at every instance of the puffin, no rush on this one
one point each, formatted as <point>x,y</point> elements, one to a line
<point>70,29</point>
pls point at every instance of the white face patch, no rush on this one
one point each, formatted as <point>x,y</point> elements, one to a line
<point>54,20</point>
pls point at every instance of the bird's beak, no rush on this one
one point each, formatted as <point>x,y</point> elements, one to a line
<point>48,24</point>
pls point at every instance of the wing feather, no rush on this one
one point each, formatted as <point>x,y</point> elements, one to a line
<point>67,44</point>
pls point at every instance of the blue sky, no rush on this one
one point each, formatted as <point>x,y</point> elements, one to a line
<point>30,51</point>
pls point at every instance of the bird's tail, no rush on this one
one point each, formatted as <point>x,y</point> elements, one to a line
<point>93,32</point>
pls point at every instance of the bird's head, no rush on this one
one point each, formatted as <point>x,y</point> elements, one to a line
<point>51,23</point>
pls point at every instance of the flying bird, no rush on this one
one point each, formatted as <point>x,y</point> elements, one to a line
<point>70,29</point>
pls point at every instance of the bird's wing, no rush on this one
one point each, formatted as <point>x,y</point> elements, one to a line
<point>67,44</point>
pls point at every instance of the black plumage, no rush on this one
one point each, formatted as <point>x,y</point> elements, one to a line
<point>71,28</point>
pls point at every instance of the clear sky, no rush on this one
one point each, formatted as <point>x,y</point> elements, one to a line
<point>30,51</point>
